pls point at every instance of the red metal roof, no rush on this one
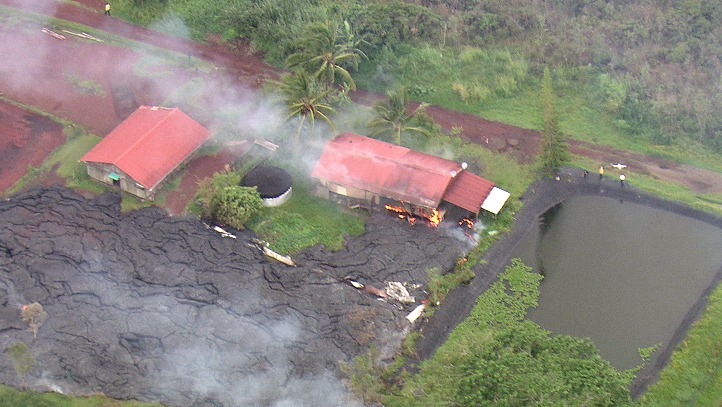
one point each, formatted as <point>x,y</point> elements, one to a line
<point>468,191</point>
<point>150,144</point>
<point>399,173</point>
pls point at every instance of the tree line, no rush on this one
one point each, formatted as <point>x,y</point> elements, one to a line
<point>653,65</point>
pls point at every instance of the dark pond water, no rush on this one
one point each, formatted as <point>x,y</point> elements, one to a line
<point>619,273</point>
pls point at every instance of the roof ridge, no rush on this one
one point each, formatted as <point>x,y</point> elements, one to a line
<point>417,166</point>
<point>143,137</point>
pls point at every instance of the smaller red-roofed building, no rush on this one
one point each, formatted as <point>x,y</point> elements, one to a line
<point>139,154</point>
<point>368,172</point>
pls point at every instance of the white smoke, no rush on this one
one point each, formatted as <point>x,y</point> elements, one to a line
<point>470,236</point>
<point>262,367</point>
<point>171,24</point>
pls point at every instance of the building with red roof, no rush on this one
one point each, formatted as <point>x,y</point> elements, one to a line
<point>144,149</point>
<point>365,171</point>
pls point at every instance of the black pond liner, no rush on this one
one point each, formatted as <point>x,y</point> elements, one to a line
<point>271,182</point>
<point>538,199</point>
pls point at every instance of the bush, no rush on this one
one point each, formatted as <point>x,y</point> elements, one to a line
<point>23,360</point>
<point>209,187</point>
<point>34,315</point>
<point>235,205</point>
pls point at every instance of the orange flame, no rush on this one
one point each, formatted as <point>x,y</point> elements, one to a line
<point>435,218</point>
<point>467,222</point>
<point>25,306</point>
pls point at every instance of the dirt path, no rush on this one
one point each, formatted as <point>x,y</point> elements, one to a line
<point>249,70</point>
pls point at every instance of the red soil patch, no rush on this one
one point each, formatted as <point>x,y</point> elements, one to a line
<point>36,67</point>
<point>26,139</point>
<point>199,168</point>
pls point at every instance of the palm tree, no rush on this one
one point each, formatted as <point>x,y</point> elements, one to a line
<point>304,100</point>
<point>392,117</point>
<point>327,53</point>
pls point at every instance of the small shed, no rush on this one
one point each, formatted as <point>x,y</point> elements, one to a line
<point>139,154</point>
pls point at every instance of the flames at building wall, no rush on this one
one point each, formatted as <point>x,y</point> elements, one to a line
<point>412,214</point>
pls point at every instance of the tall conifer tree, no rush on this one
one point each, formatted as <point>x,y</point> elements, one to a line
<point>555,151</point>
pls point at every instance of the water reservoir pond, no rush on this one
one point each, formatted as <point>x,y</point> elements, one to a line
<point>620,273</point>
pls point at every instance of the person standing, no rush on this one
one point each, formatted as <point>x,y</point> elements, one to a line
<point>622,177</point>
<point>601,172</point>
<point>107,9</point>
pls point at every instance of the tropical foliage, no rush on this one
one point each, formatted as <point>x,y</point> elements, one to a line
<point>305,102</point>
<point>651,64</point>
<point>327,53</point>
<point>522,365</point>
<point>209,187</point>
<point>393,117</point>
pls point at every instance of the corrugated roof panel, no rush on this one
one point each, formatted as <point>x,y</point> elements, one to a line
<point>385,169</point>
<point>150,143</point>
<point>468,191</point>
<point>389,170</point>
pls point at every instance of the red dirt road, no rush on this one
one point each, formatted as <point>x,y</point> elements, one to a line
<point>40,68</point>
<point>80,80</point>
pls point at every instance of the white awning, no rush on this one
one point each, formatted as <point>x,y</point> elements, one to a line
<point>496,199</point>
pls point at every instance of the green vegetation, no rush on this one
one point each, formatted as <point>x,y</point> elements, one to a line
<point>394,119</point>
<point>324,51</point>
<point>555,152</point>
<point>440,285</point>
<point>305,101</point>
<point>234,205</point>
<point>496,357</point>
<point>306,220</point>
<point>10,397</point>
<point>694,375</point>
<point>85,86</point>
<point>23,360</point>
<point>209,187</point>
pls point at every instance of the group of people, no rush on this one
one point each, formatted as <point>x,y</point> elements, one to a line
<point>622,177</point>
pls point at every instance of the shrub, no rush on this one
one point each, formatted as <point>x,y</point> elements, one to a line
<point>23,360</point>
<point>34,315</point>
<point>235,205</point>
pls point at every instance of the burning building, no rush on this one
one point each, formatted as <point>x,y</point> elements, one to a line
<point>139,154</point>
<point>363,172</point>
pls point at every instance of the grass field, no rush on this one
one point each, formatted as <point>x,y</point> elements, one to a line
<point>694,375</point>
<point>11,397</point>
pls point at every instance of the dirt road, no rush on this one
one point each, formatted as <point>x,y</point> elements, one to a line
<point>249,70</point>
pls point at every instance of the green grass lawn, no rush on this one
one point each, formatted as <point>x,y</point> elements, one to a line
<point>11,397</point>
<point>694,377</point>
<point>306,220</point>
